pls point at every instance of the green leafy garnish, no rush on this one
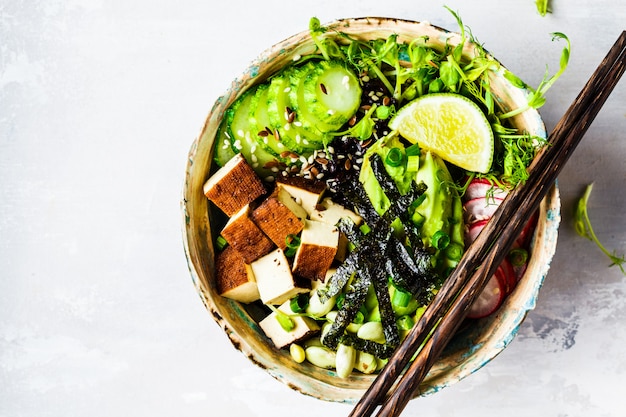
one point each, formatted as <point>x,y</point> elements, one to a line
<point>536,98</point>
<point>582,223</point>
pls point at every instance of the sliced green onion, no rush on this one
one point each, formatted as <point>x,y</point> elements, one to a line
<point>365,228</point>
<point>220,242</point>
<point>454,251</point>
<point>359,318</point>
<point>405,323</point>
<point>518,256</point>
<point>299,303</point>
<point>440,240</point>
<point>400,298</point>
<point>395,157</point>
<point>413,163</point>
<point>413,150</point>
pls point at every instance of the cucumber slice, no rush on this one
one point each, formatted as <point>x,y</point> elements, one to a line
<point>331,95</point>
<point>223,148</point>
<point>260,122</point>
<point>243,135</point>
<point>291,132</point>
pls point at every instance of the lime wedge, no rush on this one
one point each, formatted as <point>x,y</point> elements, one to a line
<point>449,125</point>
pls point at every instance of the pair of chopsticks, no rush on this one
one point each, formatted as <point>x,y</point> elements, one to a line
<point>451,304</point>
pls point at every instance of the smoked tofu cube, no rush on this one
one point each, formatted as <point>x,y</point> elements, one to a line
<point>304,327</point>
<point>274,279</point>
<point>307,193</point>
<point>245,236</point>
<point>233,186</point>
<point>317,250</point>
<point>330,212</point>
<point>279,216</point>
<point>234,278</point>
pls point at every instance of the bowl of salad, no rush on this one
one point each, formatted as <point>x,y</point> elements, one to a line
<point>336,184</point>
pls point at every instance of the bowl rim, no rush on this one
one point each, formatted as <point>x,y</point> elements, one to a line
<point>545,236</point>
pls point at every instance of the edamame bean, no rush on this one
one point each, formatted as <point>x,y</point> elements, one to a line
<point>372,330</point>
<point>317,308</point>
<point>297,353</point>
<point>321,356</point>
<point>344,360</point>
<point>365,362</point>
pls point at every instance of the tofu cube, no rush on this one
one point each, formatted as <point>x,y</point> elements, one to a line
<point>279,216</point>
<point>330,212</point>
<point>304,327</point>
<point>307,193</point>
<point>245,236</point>
<point>274,279</point>
<point>317,250</point>
<point>233,186</point>
<point>234,278</point>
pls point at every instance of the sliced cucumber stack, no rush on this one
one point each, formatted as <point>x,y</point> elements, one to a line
<point>243,136</point>
<point>297,111</point>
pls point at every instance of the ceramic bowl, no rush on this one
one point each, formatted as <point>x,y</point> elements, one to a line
<point>471,348</point>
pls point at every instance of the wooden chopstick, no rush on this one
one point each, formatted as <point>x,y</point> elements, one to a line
<point>450,306</point>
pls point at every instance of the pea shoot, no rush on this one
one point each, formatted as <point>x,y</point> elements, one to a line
<point>583,227</point>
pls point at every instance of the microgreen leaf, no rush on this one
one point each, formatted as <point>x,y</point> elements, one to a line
<point>536,97</point>
<point>583,227</point>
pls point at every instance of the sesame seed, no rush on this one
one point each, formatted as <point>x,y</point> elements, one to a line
<point>331,149</point>
<point>254,158</point>
<point>240,133</point>
<point>298,123</point>
<point>319,176</point>
<point>346,82</point>
<point>269,178</point>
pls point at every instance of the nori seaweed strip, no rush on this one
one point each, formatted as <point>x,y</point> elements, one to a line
<point>413,274</point>
<point>387,316</point>
<point>382,351</point>
<point>361,202</point>
<point>348,227</point>
<point>352,302</point>
<point>375,245</point>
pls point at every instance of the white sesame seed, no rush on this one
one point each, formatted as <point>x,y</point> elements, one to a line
<point>237,144</point>
<point>331,150</point>
<point>280,145</point>
<point>256,165</point>
<point>240,133</point>
<point>297,57</point>
<point>274,169</point>
<point>359,160</point>
<point>346,82</point>
<point>298,123</point>
<point>224,146</point>
<point>287,126</point>
<point>306,142</point>
<point>298,139</point>
<point>287,89</point>
<point>254,158</point>
<point>269,178</point>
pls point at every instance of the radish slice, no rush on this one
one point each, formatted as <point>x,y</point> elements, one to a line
<point>506,273</point>
<point>480,208</point>
<point>474,230</point>
<point>488,301</point>
<point>481,188</point>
